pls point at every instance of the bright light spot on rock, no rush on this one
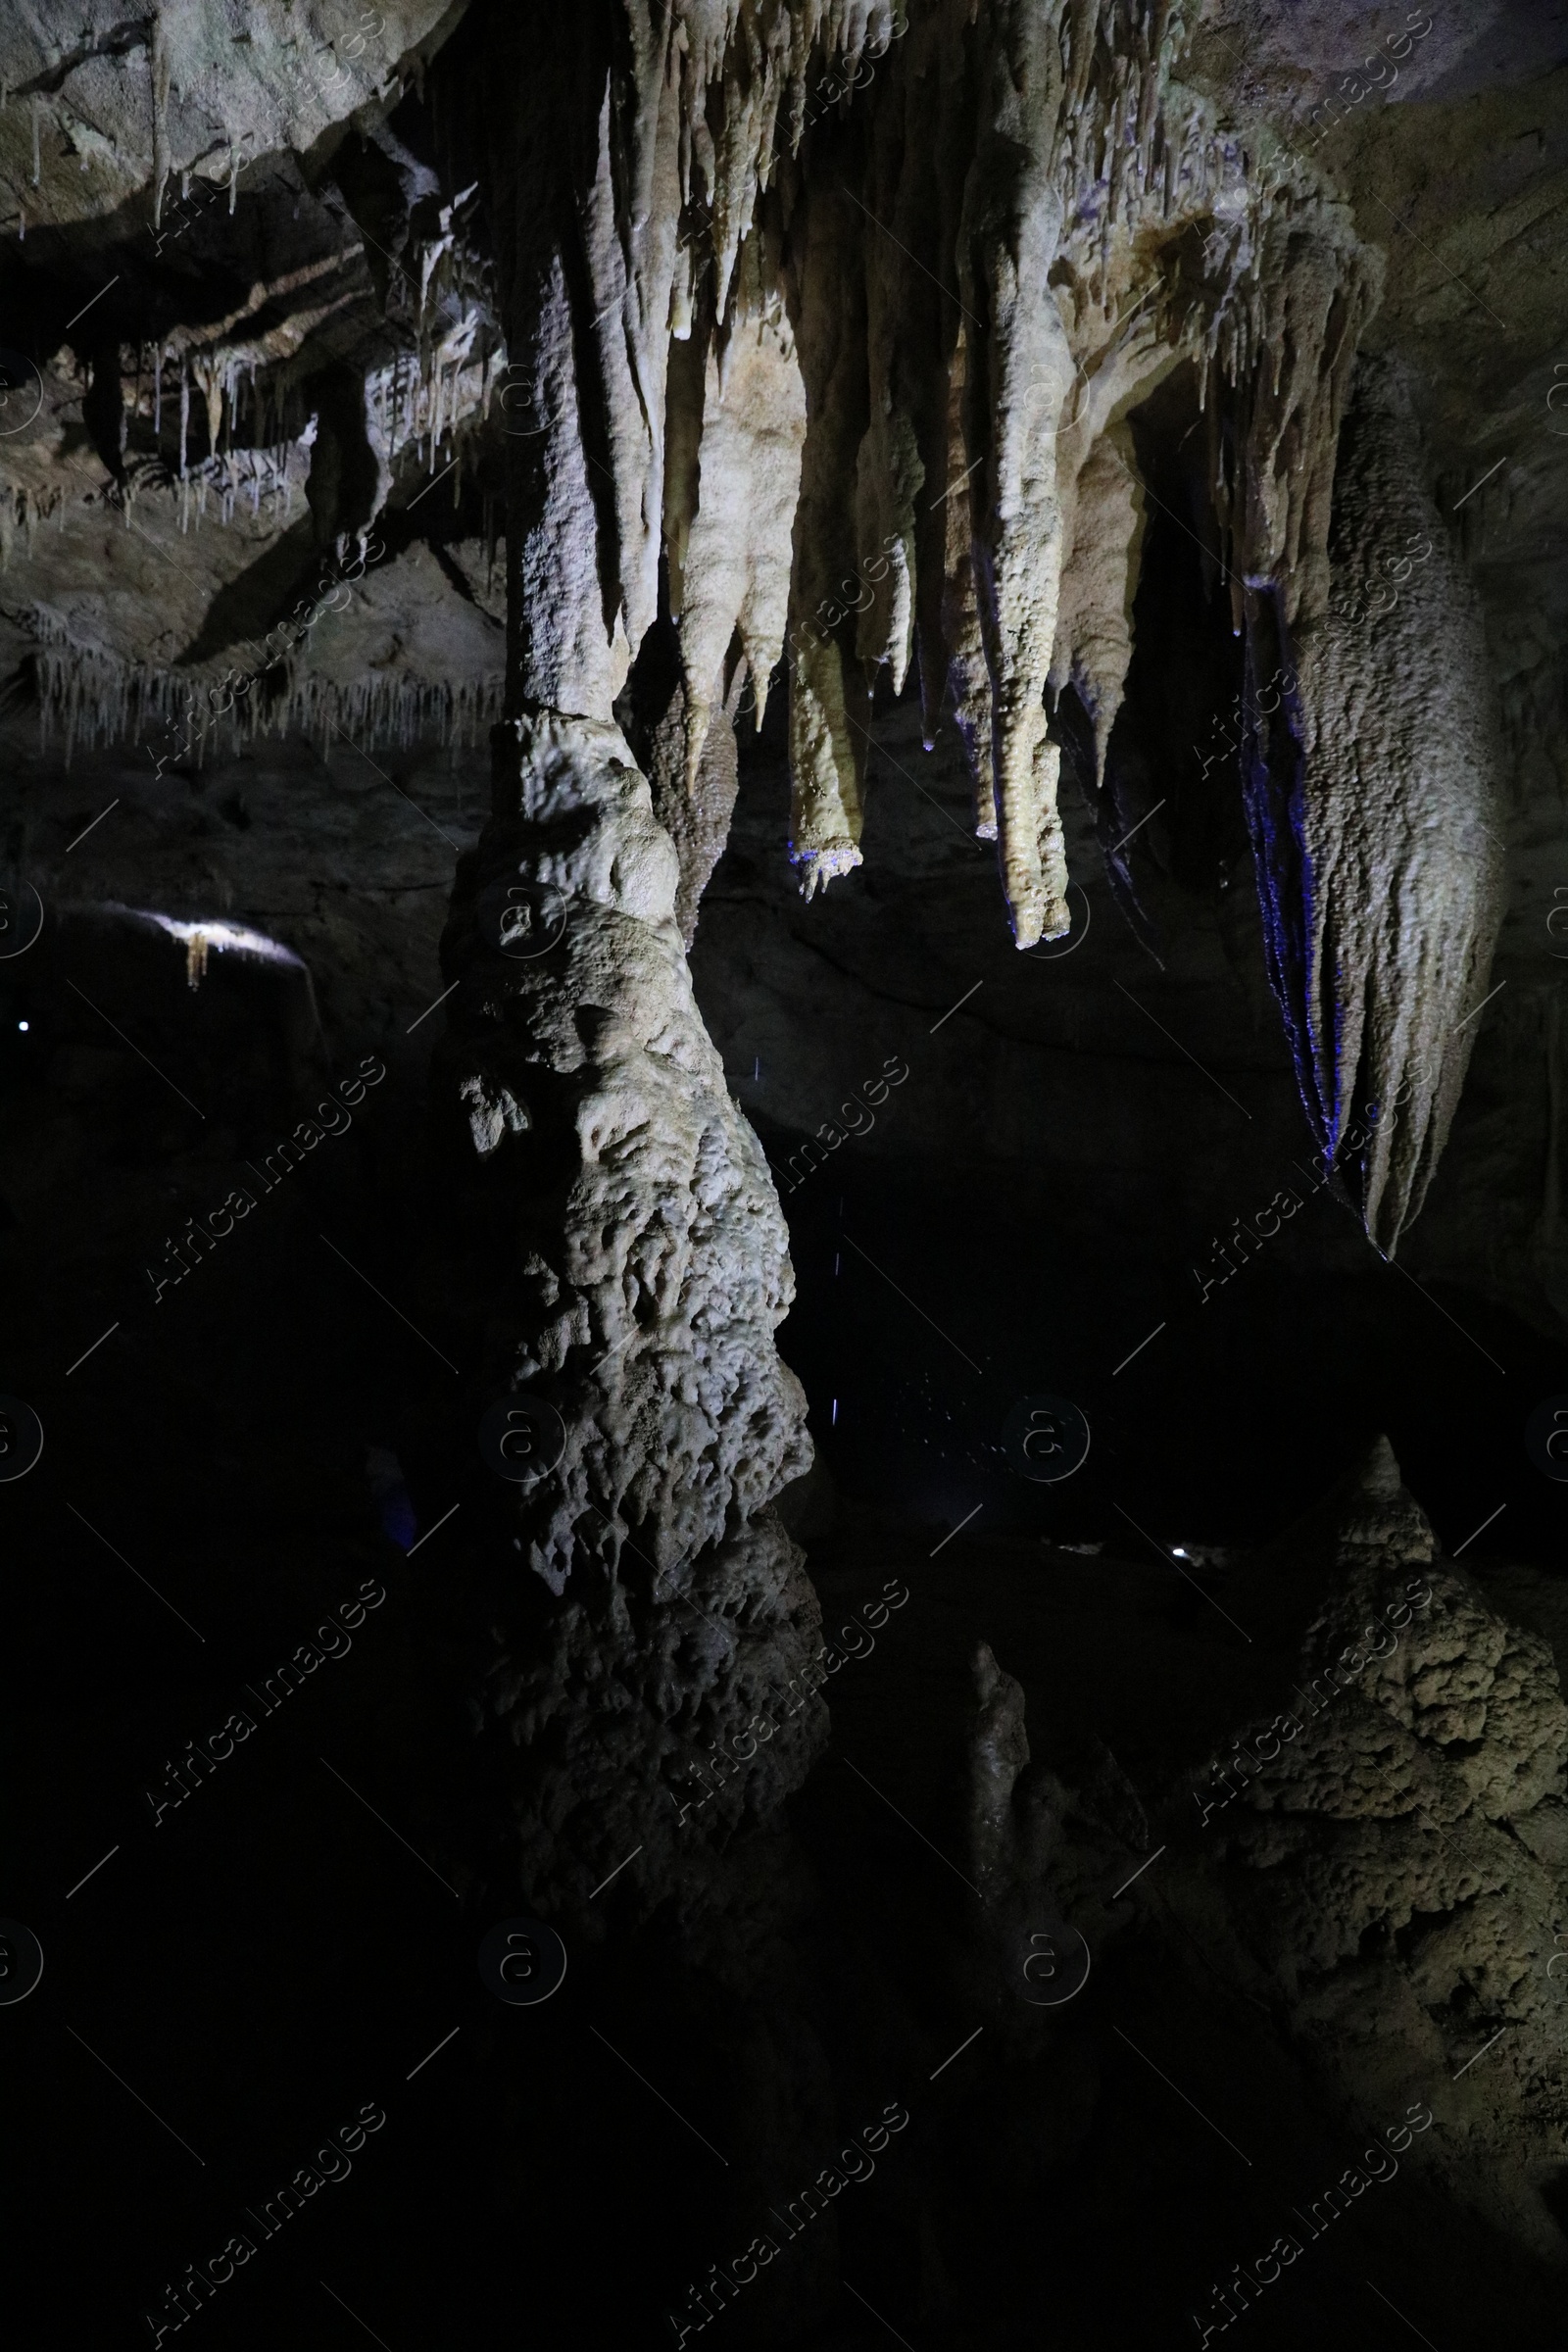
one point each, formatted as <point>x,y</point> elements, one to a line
<point>202,938</point>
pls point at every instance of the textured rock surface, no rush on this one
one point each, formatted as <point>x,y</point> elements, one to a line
<point>648,1271</point>
<point>205,407</point>
<point>624,1256</point>
<point>1392,1876</point>
<point>101,111</point>
<point>831,317</point>
<point>1375,1863</point>
<point>1030,353</point>
<point>669,1720</point>
<point>1397,821</point>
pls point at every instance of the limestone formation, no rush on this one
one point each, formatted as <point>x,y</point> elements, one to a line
<point>113,110</point>
<point>600,379</point>
<point>1397,815</point>
<point>1392,1878</point>
<point>631,1269</point>
<point>807,331</point>
<point>1382,1866</point>
<point>645,1284</point>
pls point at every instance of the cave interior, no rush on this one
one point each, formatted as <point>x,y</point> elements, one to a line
<point>905,1509</point>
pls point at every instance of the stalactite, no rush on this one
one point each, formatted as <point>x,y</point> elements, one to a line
<point>211,371</point>
<point>1018,557</point>
<point>829,704</point>
<point>1094,621</point>
<point>964,671</point>
<point>732,572</point>
<point>1300,289</point>
<point>163,68</point>
<point>94,698</point>
<point>1375,818</point>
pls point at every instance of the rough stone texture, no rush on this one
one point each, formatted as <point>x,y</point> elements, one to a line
<point>672,1720</point>
<point>624,1258</point>
<point>1390,1879</point>
<point>694,811</point>
<point>1396,820</point>
<point>101,110</point>
<point>205,414</point>
<point>998,1751</point>
<point>1383,1879</point>
<point>643,1285</point>
<point>948,255</point>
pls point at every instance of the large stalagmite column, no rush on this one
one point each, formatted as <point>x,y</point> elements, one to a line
<point>629,1259</point>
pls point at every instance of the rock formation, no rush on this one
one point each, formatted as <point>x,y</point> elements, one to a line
<point>926,384</point>
<point>811,332</point>
<point>704,404</point>
<point>1393,1874</point>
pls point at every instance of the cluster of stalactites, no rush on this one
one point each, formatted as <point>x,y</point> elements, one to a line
<point>857,451</point>
<point>87,697</point>
<point>969,486</point>
<point>1299,288</point>
<point>884,348</point>
<point>758,54</point>
<point>680,152</point>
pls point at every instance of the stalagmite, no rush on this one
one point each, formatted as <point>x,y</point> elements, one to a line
<point>670,1270</point>
<point>644,1275</point>
<point>647,1267</point>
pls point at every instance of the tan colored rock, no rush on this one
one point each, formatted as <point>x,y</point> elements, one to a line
<point>1094,620</point>
<point>650,1268</point>
<point>733,575</point>
<point>1402,818</point>
<point>1391,1880</point>
<point>105,111</point>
